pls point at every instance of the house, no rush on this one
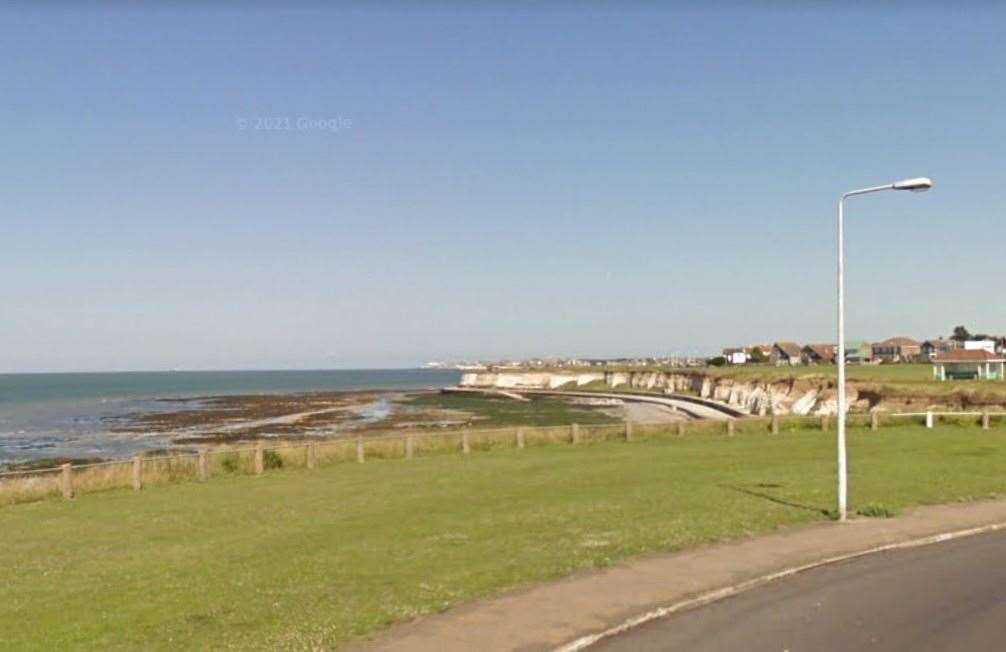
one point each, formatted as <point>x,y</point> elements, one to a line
<point>897,349</point>
<point>930,348</point>
<point>735,355</point>
<point>785,353</point>
<point>818,354</point>
<point>969,364</point>
<point>980,345</point>
<point>858,352</point>
<point>758,352</point>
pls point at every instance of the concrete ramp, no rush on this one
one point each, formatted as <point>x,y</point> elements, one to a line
<point>694,407</point>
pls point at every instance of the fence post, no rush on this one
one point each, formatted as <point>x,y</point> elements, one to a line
<point>520,438</point>
<point>775,424</point>
<point>985,420</point>
<point>137,473</point>
<point>67,480</point>
<point>466,443</point>
<point>730,427</point>
<point>361,456</point>
<point>259,458</point>
<point>874,421</point>
<point>628,431</point>
<point>681,428</point>
<point>410,446</point>
<point>312,455</point>
<point>929,419</point>
<point>574,433</point>
<point>204,466</point>
<point>824,422</point>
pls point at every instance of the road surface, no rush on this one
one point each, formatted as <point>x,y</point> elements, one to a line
<point>945,596</point>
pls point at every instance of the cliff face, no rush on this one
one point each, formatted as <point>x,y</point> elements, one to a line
<point>791,396</point>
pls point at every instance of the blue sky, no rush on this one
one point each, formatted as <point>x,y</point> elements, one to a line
<point>504,182</point>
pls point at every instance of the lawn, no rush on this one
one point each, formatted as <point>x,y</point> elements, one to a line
<point>883,373</point>
<point>889,379</point>
<point>296,559</point>
<point>896,373</point>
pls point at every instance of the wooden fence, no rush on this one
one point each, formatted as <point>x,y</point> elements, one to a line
<point>69,480</point>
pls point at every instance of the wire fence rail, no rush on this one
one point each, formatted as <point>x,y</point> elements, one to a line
<point>71,480</point>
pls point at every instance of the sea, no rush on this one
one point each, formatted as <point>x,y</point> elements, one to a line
<point>70,415</point>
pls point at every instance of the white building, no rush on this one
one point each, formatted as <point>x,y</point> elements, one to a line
<point>736,356</point>
<point>980,345</point>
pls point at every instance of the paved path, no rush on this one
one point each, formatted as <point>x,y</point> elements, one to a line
<point>947,596</point>
<point>548,616</point>
<point>697,408</point>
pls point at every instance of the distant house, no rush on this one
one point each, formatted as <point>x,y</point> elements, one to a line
<point>759,352</point>
<point>897,349</point>
<point>969,364</point>
<point>736,355</point>
<point>785,353</point>
<point>980,345</point>
<point>858,352</point>
<point>818,354</point>
<point>930,348</point>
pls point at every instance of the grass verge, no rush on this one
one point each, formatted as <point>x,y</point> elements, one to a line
<point>297,559</point>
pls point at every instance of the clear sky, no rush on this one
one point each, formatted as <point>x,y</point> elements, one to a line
<point>488,182</point>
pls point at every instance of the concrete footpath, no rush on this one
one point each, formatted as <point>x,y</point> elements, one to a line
<point>549,616</point>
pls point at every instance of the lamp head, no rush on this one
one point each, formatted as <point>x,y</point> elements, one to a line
<point>918,184</point>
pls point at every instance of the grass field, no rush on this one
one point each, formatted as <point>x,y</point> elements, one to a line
<point>909,378</point>
<point>297,558</point>
<point>885,373</point>
<point>891,380</point>
<point>907,372</point>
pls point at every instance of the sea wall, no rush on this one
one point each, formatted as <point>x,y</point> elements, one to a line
<point>802,396</point>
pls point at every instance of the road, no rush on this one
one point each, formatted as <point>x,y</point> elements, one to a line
<point>946,596</point>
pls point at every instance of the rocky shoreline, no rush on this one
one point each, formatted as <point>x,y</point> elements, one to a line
<point>228,419</point>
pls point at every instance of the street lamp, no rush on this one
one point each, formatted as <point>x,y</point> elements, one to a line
<point>918,184</point>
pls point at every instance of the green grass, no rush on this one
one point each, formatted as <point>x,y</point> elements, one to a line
<point>298,559</point>
<point>906,372</point>
<point>909,373</point>
<point>894,381</point>
<point>895,373</point>
<point>502,412</point>
<point>889,381</point>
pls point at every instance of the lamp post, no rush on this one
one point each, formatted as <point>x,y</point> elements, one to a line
<point>918,184</point>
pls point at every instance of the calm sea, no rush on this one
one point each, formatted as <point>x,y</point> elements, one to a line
<point>67,415</point>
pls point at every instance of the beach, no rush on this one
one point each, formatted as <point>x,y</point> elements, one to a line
<point>107,415</point>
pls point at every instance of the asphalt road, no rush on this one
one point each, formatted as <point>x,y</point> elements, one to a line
<point>945,596</point>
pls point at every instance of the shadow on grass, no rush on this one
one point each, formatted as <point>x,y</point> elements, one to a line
<point>775,499</point>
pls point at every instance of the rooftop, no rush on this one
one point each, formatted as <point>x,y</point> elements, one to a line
<point>898,341</point>
<point>823,351</point>
<point>963,355</point>
<point>791,349</point>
